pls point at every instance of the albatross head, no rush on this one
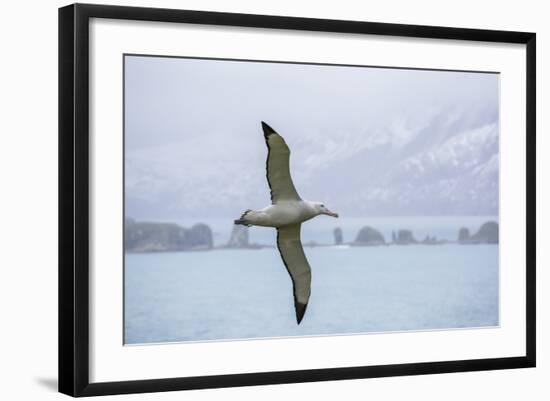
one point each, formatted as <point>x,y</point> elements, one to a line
<point>320,208</point>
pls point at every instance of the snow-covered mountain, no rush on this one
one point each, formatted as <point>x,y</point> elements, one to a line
<point>453,174</point>
<point>366,141</point>
<point>458,177</point>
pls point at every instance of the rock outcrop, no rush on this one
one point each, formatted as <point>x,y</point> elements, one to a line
<point>338,236</point>
<point>405,237</point>
<point>161,237</point>
<point>487,234</point>
<point>463,234</point>
<point>428,240</point>
<point>369,236</point>
<point>239,237</point>
<point>200,236</point>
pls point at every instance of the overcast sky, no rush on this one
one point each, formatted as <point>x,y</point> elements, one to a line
<point>366,141</point>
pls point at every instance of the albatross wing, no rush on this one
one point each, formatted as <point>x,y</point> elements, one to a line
<point>292,253</point>
<point>278,169</point>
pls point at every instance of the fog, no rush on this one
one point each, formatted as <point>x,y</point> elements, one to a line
<point>366,141</point>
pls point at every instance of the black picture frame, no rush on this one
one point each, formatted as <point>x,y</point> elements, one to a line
<point>74,198</point>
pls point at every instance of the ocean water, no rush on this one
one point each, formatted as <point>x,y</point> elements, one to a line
<point>228,294</point>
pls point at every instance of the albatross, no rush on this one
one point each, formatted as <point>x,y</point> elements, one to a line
<point>286,213</point>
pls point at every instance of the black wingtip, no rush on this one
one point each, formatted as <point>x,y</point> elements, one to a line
<point>300,311</point>
<point>267,129</point>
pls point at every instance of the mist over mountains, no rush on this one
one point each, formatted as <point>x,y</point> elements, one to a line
<point>381,142</point>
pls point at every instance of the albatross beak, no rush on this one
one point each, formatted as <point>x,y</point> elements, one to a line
<point>329,213</point>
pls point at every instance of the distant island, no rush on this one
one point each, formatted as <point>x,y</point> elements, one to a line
<point>163,237</point>
<point>368,236</point>
<point>487,234</point>
<point>170,237</point>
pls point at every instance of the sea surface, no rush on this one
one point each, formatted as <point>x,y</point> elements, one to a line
<point>226,294</point>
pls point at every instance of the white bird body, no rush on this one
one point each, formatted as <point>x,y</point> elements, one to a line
<point>282,214</point>
<point>286,213</point>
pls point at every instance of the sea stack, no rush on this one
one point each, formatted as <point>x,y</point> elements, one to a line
<point>239,237</point>
<point>463,234</point>
<point>487,234</point>
<point>405,237</point>
<point>369,236</point>
<point>338,236</point>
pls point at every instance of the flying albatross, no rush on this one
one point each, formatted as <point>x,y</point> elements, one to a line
<point>286,213</point>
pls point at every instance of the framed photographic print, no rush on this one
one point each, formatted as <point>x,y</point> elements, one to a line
<point>250,199</point>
